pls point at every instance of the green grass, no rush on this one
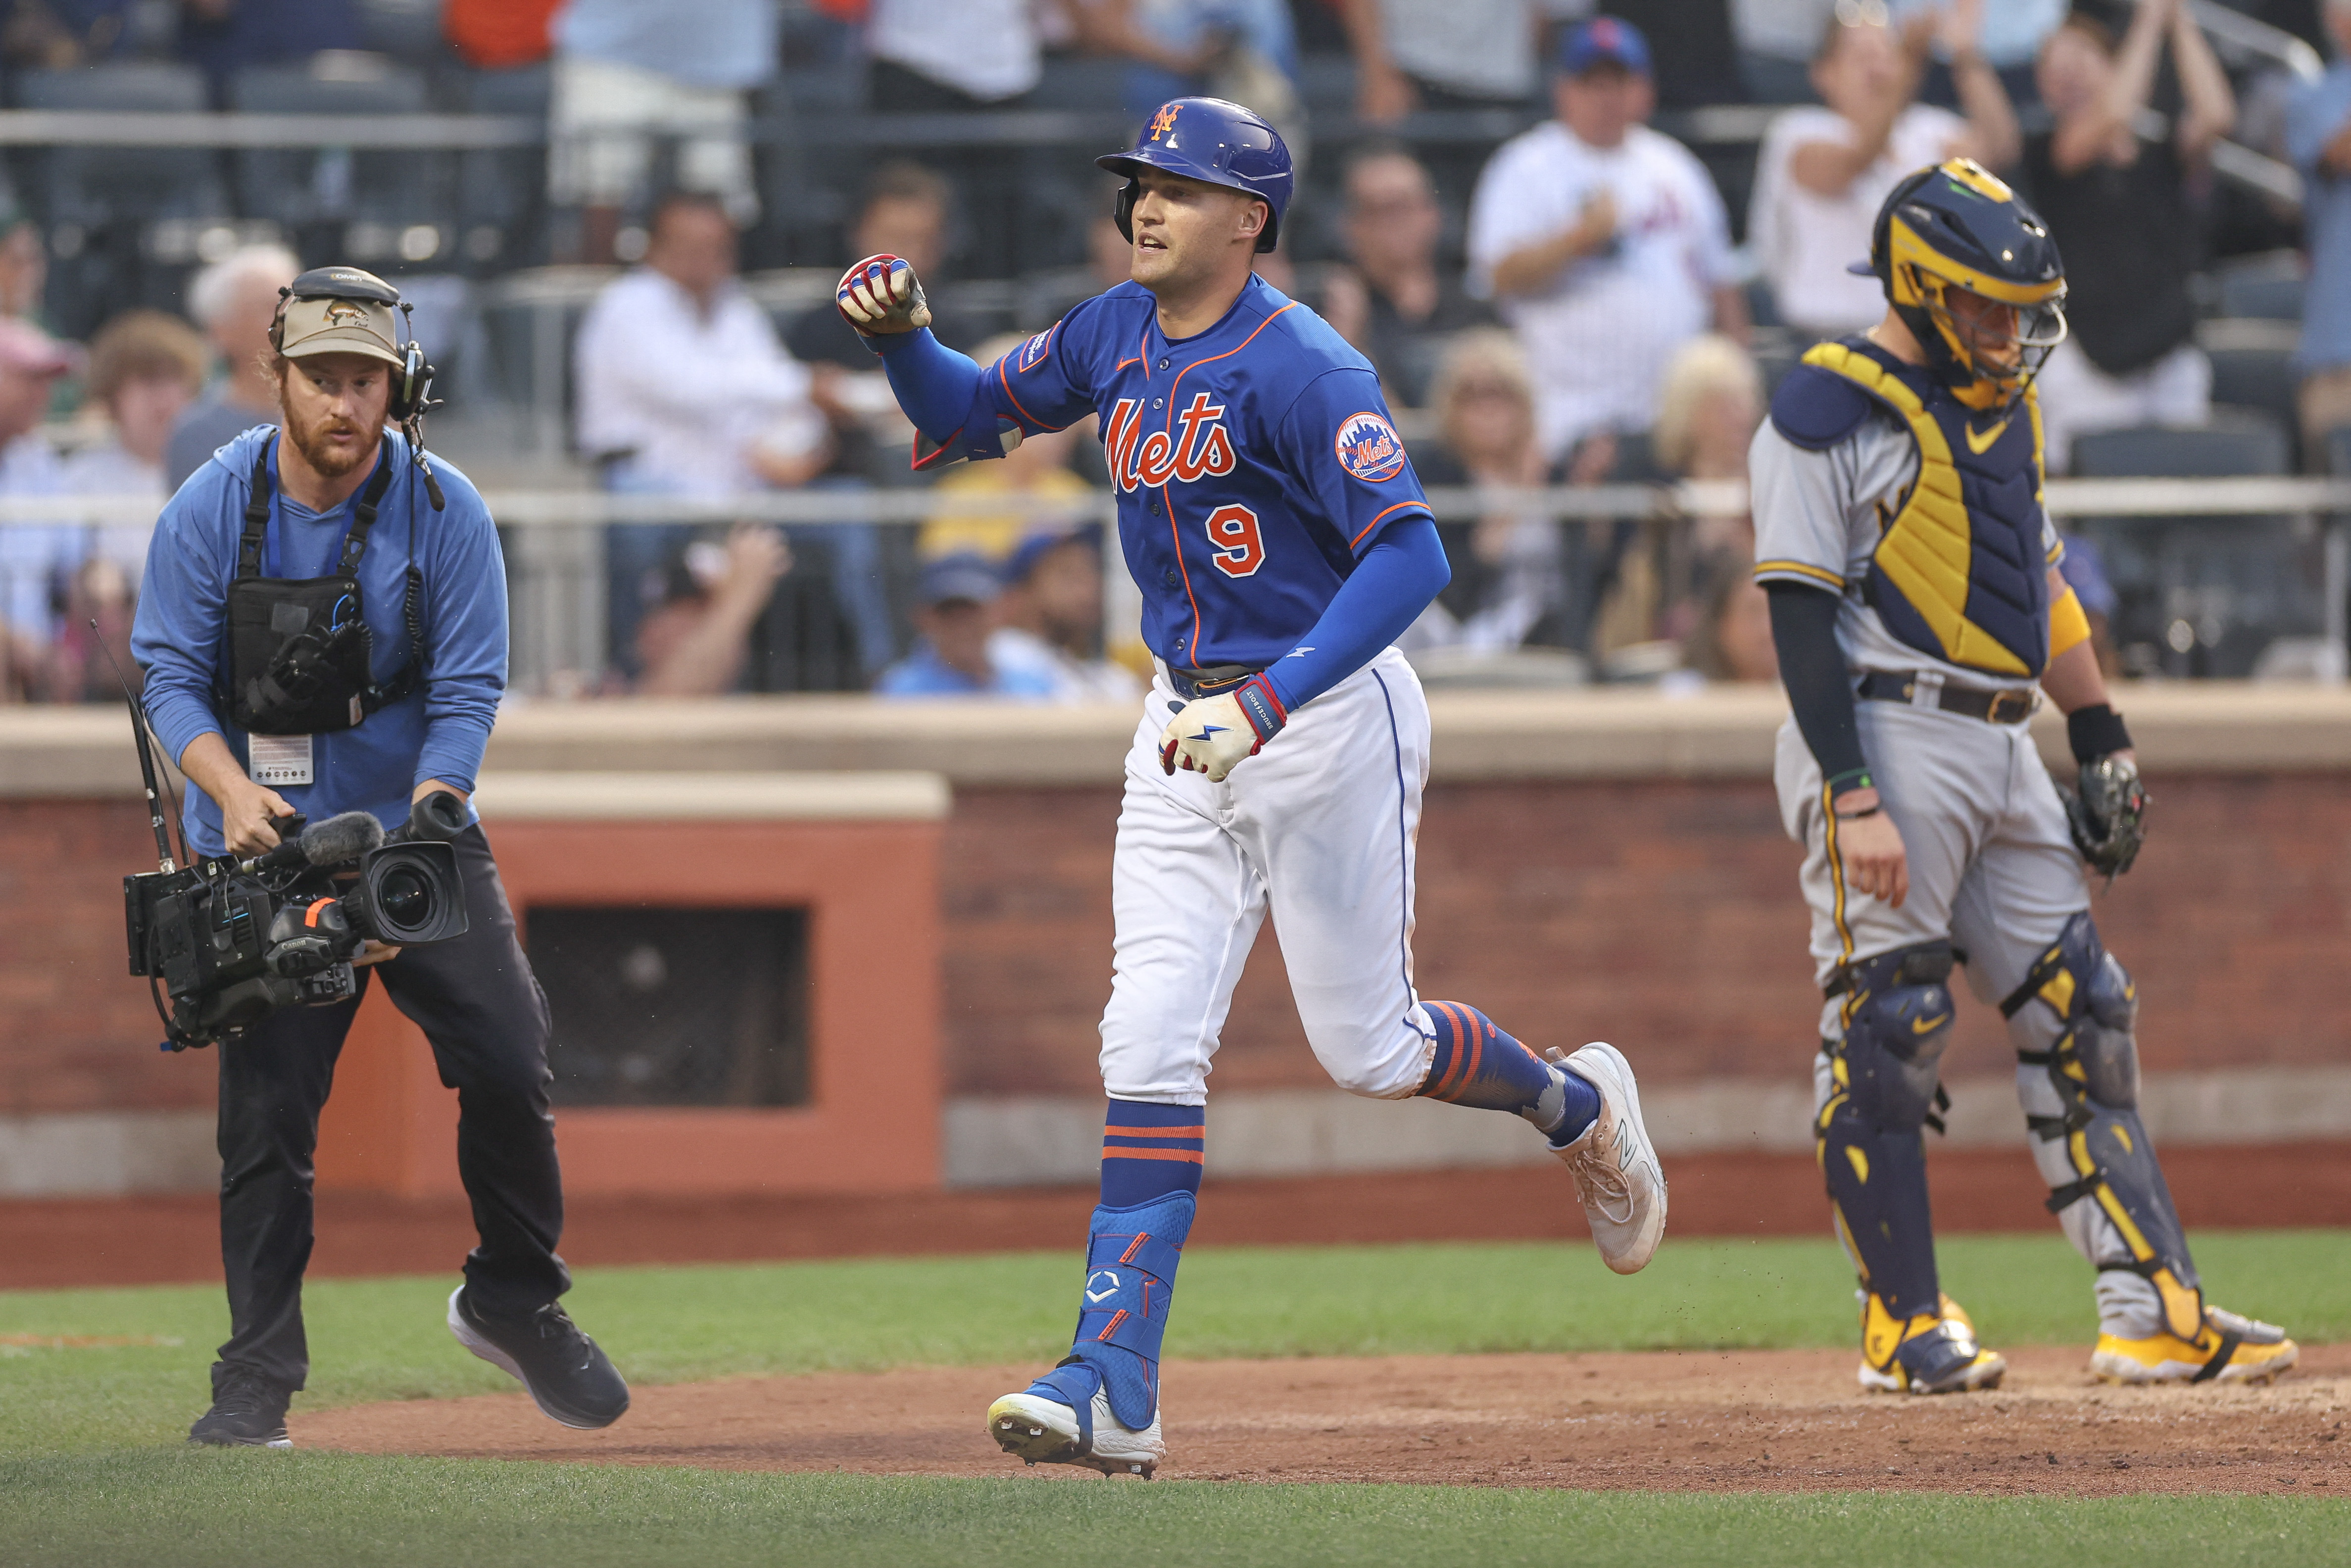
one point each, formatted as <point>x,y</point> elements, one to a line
<point>191,1510</point>
<point>383,1339</point>
<point>91,1472</point>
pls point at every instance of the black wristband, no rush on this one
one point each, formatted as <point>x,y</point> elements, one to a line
<point>2094,731</point>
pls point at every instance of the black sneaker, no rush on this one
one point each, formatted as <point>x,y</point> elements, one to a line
<point>572,1380</point>
<point>248,1412</point>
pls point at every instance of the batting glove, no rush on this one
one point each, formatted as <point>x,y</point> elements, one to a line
<point>1211,735</point>
<point>880,296</point>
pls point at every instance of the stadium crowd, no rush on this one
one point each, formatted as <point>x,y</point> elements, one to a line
<point>1563,272</point>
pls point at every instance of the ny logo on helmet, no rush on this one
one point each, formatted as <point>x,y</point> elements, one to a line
<point>1164,122</point>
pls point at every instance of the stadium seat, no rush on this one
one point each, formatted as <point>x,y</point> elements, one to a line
<point>502,191</point>
<point>2202,596</point>
<point>1082,83</point>
<point>2253,368</point>
<point>1771,79</point>
<point>2268,286</point>
<point>407,30</point>
<point>90,186</point>
<point>125,225</point>
<point>379,208</point>
<point>1326,85</point>
<point>2235,443</point>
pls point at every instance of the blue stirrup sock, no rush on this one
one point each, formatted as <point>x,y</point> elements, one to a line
<point>1149,1150</point>
<point>1130,1258</point>
<point>1150,1176</point>
<point>1477,1064</point>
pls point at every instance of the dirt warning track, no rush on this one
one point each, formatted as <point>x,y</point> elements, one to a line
<point>1691,1421</point>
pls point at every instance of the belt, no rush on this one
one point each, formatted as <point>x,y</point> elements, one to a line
<point>1194,685</point>
<point>1921,688</point>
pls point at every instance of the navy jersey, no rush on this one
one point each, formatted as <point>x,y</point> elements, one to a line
<point>1254,461</point>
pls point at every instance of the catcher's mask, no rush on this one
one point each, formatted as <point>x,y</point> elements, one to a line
<point>1956,229</point>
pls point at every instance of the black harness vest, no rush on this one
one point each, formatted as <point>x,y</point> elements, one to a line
<point>301,658</point>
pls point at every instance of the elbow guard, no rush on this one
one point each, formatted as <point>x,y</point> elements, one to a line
<point>984,436</point>
<point>2069,625</point>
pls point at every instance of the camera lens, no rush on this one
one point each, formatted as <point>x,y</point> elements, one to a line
<point>405,898</point>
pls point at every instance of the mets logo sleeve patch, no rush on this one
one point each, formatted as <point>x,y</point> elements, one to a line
<point>1369,448</point>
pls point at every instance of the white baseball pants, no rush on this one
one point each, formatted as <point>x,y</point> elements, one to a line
<point>1317,829</point>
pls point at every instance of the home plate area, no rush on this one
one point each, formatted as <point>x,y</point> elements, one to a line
<point>1672,1420</point>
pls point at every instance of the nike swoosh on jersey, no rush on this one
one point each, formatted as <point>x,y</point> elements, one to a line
<point>1920,1026</point>
<point>1979,446</point>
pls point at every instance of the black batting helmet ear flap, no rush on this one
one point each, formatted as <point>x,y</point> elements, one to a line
<point>1129,194</point>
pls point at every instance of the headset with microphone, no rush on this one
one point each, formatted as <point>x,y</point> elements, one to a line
<point>411,382</point>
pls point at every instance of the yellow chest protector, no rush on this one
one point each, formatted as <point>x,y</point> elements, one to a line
<point>1960,572</point>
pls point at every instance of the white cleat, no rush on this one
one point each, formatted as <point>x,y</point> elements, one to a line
<point>1613,1163</point>
<point>1045,1432</point>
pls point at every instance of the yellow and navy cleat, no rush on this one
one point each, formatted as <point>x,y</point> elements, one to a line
<point>1933,1353</point>
<point>2228,1348</point>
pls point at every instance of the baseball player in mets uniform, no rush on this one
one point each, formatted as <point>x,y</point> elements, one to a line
<point>1281,543</point>
<point>1919,619</point>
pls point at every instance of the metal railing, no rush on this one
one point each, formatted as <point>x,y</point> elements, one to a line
<point>557,588</point>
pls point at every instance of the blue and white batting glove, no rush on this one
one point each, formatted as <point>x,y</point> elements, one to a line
<point>1211,735</point>
<point>880,296</point>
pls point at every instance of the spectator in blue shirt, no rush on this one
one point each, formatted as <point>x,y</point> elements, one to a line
<point>2318,139</point>
<point>957,613</point>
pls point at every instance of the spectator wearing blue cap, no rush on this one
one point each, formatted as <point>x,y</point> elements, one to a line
<point>1050,620</point>
<point>957,611</point>
<point>1602,242</point>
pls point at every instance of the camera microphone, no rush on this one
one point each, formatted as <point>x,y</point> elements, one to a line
<point>334,842</point>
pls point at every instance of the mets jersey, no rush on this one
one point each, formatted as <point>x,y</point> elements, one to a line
<point>1254,461</point>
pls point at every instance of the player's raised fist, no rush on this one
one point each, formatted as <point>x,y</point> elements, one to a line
<point>1212,735</point>
<point>880,296</point>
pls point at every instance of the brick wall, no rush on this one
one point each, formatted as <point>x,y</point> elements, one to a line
<point>77,1032</point>
<point>1663,916</point>
<point>1660,914</point>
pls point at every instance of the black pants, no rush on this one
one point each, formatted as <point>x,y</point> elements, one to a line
<point>476,1001</point>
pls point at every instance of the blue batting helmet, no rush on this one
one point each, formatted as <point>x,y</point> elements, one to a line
<point>1209,140</point>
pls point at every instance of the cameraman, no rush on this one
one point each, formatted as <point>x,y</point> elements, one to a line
<point>341,496</point>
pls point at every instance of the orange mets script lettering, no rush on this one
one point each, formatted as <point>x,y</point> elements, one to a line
<point>1199,448</point>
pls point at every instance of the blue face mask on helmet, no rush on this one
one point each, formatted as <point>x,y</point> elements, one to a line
<point>1216,143</point>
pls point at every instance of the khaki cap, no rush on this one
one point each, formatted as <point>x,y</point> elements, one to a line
<point>337,323</point>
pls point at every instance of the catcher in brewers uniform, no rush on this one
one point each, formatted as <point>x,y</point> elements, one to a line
<point>1919,619</point>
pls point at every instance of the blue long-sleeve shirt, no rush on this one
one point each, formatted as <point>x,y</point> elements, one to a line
<point>438,731</point>
<point>2313,115</point>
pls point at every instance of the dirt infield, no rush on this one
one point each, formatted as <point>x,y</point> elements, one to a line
<point>1682,1421</point>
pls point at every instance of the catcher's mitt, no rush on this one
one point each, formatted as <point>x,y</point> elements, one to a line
<point>2108,816</point>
